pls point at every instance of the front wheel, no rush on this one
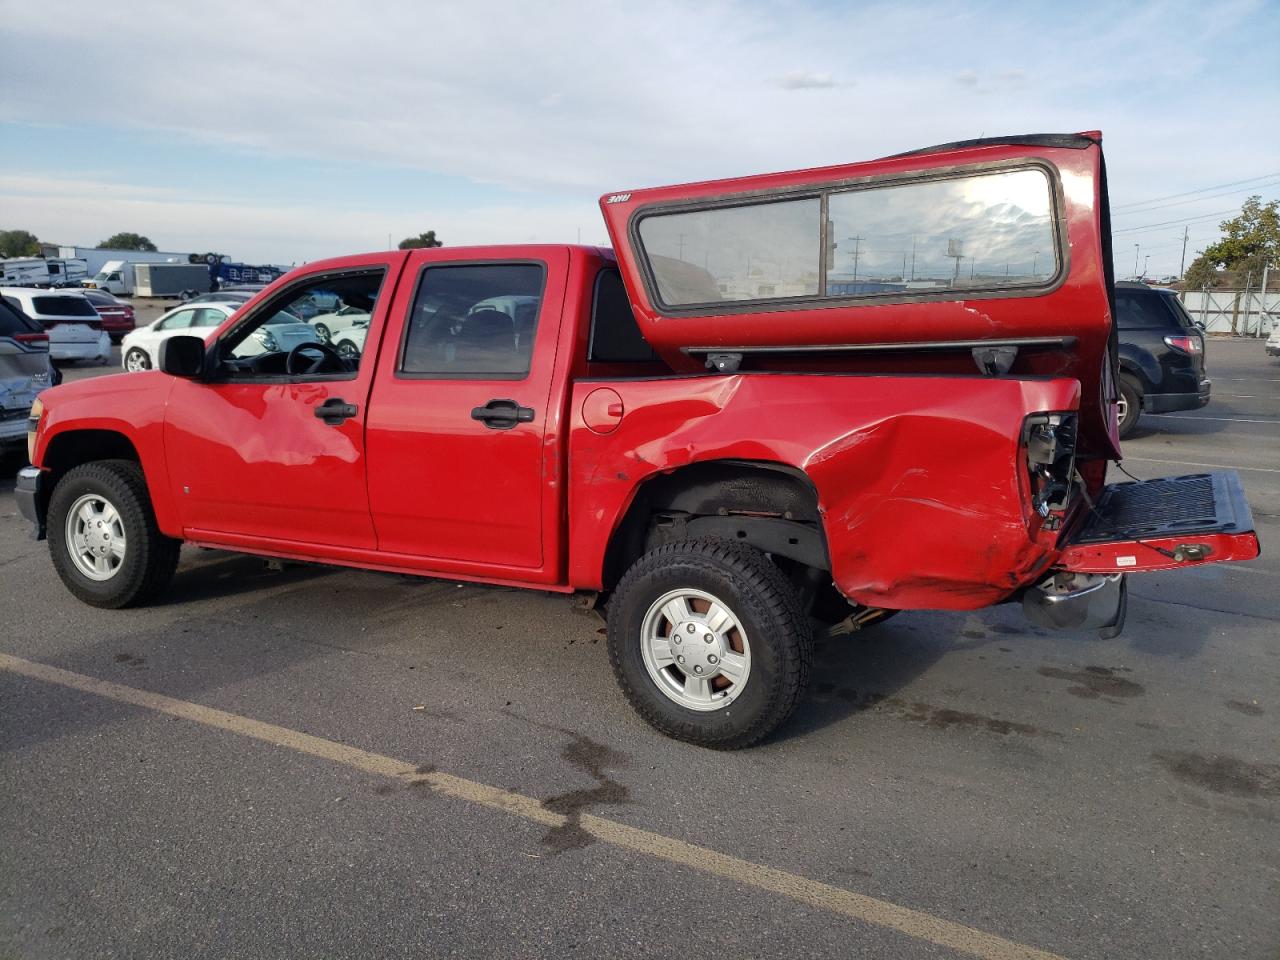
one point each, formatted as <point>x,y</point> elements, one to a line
<point>136,360</point>
<point>103,537</point>
<point>323,332</point>
<point>709,642</point>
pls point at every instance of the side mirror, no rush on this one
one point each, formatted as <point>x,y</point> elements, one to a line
<point>182,356</point>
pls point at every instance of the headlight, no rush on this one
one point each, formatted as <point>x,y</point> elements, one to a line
<point>33,426</point>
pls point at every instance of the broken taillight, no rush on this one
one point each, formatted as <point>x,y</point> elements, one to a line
<point>1049,440</point>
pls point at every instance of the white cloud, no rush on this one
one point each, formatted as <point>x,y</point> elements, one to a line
<point>804,80</point>
<point>572,100</point>
<point>74,211</point>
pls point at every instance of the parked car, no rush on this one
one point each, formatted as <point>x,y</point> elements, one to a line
<point>1273,342</point>
<point>350,342</point>
<point>225,294</point>
<point>1162,356</point>
<point>73,325</point>
<point>724,460</point>
<point>25,371</point>
<point>117,315</point>
<point>141,349</point>
<point>331,325</point>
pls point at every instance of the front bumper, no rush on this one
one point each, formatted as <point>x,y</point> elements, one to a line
<point>1169,402</point>
<point>28,490</point>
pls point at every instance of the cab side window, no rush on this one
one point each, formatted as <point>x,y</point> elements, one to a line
<point>281,339</point>
<point>476,321</point>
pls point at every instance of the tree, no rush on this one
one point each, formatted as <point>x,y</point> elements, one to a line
<point>19,243</point>
<point>1249,242</point>
<point>421,241</point>
<point>127,241</point>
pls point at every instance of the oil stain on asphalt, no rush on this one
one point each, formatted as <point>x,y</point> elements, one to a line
<point>594,759</point>
<point>1093,682</point>
<point>1223,774</point>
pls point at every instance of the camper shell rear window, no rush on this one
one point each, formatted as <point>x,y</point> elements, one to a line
<point>989,230</point>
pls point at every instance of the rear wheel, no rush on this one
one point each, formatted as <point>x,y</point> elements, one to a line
<point>1128,406</point>
<point>323,332</point>
<point>136,359</point>
<point>103,537</point>
<point>709,642</point>
<point>347,350</point>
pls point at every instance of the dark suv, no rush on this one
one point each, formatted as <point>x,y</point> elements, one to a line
<point>1161,354</point>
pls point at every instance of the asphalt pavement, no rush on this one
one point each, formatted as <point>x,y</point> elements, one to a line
<point>314,762</point>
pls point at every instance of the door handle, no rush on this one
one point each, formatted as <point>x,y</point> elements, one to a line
<point>502,414</point>
<point>335,410</point>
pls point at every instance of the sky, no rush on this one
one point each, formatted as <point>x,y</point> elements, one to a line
<point>280,131</point>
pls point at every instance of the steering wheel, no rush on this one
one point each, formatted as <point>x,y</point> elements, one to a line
<point>328,362</point>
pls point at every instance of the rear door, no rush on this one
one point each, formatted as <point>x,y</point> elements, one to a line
<point>459,432</point>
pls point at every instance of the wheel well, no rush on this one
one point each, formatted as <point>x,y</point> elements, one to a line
<point>74,447</point>
<point>767,505</point>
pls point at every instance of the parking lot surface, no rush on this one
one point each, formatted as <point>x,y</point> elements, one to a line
<point>319,762</point>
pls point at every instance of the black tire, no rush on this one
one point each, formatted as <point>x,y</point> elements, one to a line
<point>323,332</point>
<point>1132,406</point>
<point>347,350</point>
<point>150,557</point>
<point>144,361</point>
<point>767,606</point>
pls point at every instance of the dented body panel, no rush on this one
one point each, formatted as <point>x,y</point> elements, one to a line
<point>919,505</point>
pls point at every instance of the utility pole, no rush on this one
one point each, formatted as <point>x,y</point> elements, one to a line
<point>913,258</point>
<point>1135,260</point>
<point>857,250</point>
<point>1182,270</point>
<point>1145,260</point>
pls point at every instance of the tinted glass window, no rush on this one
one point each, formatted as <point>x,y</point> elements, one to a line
<point>992,230</point>
<point>756,252</point>
<point>63,307</point>
<point>14,321</point>
<point>473,321</point>
<point>615,335</point>
<point>1179,311</point>
<point>1141,310</point>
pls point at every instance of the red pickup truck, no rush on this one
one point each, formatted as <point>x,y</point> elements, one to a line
<point>779,404</point>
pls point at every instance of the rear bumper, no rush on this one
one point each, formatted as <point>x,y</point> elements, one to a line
<point>1169,402</point>
<point>27,492</point>
<point>89,350</point>
<point>1071,601</point>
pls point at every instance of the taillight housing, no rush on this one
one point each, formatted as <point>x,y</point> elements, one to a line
<point>1049,440</point>
<point>31,337</point>
<point>1191,346</point>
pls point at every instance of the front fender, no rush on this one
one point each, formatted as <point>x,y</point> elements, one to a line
<point>131,405</point>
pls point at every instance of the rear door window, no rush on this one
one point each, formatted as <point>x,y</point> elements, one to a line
<point>474,321</point>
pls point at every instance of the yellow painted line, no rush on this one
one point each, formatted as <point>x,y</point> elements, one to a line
<point>856,906</point>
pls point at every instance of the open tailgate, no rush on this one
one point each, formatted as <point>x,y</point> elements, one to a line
<point>1163,524</point>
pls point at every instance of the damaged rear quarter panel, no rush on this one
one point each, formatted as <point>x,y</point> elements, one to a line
<point>919,478</point>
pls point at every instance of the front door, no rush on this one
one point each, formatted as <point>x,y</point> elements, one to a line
<point>270,452</point>
<point>458,466</point>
